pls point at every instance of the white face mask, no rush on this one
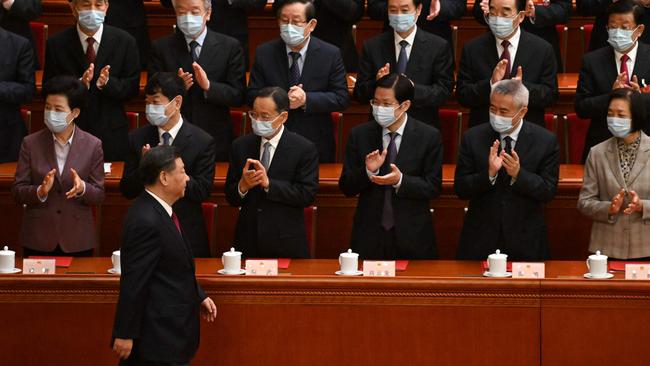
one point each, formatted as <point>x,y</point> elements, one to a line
<point>502,124</point>
<point>264,128</point>
<point>620,39</point>
<point>401,22</point>
<point>190,25</point>
<point>91,19</point>
<point>501,27</point>
<point>292,35</point>
<point>384,116</point>
<point>619,127</point>
<point>56,121</point>
<point>156,114</point>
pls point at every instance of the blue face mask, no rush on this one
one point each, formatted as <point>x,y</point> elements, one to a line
<point>156,114</point>
<point>190,25</point>
<point>264,128</point>
<point>620,39</point>
<point>502,124</point>
<point>619,127</point>
<point>292,35</point>
<point>56,121</point>
<point>91,19</point>
<point>501,27</point>
<point>401,22</point>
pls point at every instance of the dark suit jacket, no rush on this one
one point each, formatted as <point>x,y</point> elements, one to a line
<point>272,224</point>
<point>231,18</point>
<point>420,161</point>
<point>17,86</point>
<point>335,21</point>
<point>598,9</point>
<point>222,59</point>
<point>129,15</point>
<point>546,18</point>
<point>159,302</point>
<point>477,63</point>
<point>430,67</point>
<point>17,18</point>
<point>66,222</point>
<point>323,79</point>
<point>104,115</point>
<point>597,75</point>
<point>504,216</point>
<point>449,10</point>
<point>196,148</point>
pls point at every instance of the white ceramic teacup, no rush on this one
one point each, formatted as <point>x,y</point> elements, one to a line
<point>497,263</point>
<point>597,264</point>
<point>231,261</point>
<point>349,262</point>
<point>7,260</point>
<point>115,258</point>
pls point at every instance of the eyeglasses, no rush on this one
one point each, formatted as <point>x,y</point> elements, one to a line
<point>257,117</point>
<point>375,103</point>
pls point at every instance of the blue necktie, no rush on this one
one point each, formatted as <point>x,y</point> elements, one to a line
<point>193,46</point>
<point>294,70</point>
<point>403,59</point>
<point>166,138</point>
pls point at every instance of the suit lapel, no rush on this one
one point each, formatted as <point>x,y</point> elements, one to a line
<point>642,157</point>
<point>183,137</point>
<point>309,66</point>
<point>50,153</point>
<point>613,162</point>
<point>521,56</point>
<point>77,51</point>
<point>182,52</point>
<point>608,67</point>
<point>388,51</point>
<point>418,49</point>
<point>169,224</point>
<point>282,150</point>
<point>76,150</point>
<point>640,68</point>
<point>407,146</point>
<point>208,49</point>
<point>282,60</point>
<point>105,49</point>
<point>524,141</point>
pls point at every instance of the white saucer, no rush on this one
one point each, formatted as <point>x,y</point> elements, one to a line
<point>357,273</point>
<point>606,276</point>
<point>488,274</point>
<point>223,272</point>
<point>15,270</point>
<point>114,271</point>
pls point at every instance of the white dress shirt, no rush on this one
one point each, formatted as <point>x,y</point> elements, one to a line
<point>173,132</point>
<point>514,45</point>
<point>630,61</point>
<point>273,145</point>
<point>410,38</point>
<point>200,39</point>
<point>385,133</point>
<point>302,52</point>
<point>164,204</point>
<point>97,37</point>
<point>61,152</point>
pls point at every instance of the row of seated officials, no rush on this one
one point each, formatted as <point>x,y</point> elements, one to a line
<point>296,81</point>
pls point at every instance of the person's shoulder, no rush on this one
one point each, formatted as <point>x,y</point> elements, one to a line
<point>37,137</point>
<point>198,134</point>
<point>424,130</point>
<point>64,36</point>
<point>479,42</point>
<point>223,39</point>
<point>381,38</point>
<point>117,33</point>
<point>87,137</point>
<point>598,54</point>
<point>244,140</point>
<point>17,40</point>
<point>364,128</point>
<point>601,149</point>
<point>430,37</point>
<point>540,131</point>
<point>536,42</point>
<point>298,141</point>
<point>270,45</point>
<point>165,41</point>
<point>142,212</point>
<point>478,132</point>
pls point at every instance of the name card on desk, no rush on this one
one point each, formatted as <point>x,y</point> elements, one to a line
<point>39,266</point>
<point>107,168</point>
<point>379,268</point>
<point>637,272</point>
<point>262,267</point>
<point>528,270</point>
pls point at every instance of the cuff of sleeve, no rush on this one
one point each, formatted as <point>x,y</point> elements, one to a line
<point>371,174</point>
<point>42,199</point>
<point>241,195</point>
<point>84,190</point>
<point>493,180</point>
<point>399,183</point>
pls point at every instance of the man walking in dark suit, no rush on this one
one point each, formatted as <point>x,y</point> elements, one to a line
<point>310,69</point>
<point>507,52</point>
<point>394,165</point>
<point>17,86</point>
<point>507,169</point>
<point>15,16</point>
<point>212,66</point>
<point>273,176</point>
<point>157,316</point>
<point>425,58</point>
<point>165,94</point>
<point>106,60</point>
<point>625,63</point>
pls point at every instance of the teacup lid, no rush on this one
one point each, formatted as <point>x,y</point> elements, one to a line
<point>349,254</point>
<point>598,256</point>
<point>498,255</point>
<point>6,251</point>
<point>232,253</point>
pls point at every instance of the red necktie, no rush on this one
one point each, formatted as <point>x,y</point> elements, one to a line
<point>624,60</point>
<point>176,222</point>
<point>90,51</point>
<point>505,55</point>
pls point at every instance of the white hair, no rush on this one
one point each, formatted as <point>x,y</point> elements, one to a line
<point>514,88</point>
<point>206,3</point>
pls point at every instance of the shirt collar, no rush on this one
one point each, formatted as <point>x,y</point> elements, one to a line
<point>200,39</point>
<point>173,131</point>
<point>514,40</point>
<point>514,135</point>
<point>69,142</point>
<point>97,36</point>
<point>303,50</point>
<point>410,38</point>
<point>631,54</point>
<point>400,130</point>
<point>164,204</point>
<point>275,140</point>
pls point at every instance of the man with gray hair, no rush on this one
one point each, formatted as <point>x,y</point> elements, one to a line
<point>507,169</point>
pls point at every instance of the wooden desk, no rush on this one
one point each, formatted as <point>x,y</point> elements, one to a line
<point>436,312</point>
<point>568,230</point>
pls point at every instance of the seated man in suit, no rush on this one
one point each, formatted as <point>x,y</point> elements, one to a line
<point>541,17</point>
<point>273,176</point>
<point>507,169</point>
<point>59,177</point>
<point>106,60</point>
<point>434,18</point>
<point>394,165</point>
<point>312,71</point>
<point>15,16</point>
<point>212,66</point>
<point>17,86</point>
<point>157,315</point>
<point>625,63</point>
<point>507,52</point>
<point>425,58</point>
<point>165,93</point>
